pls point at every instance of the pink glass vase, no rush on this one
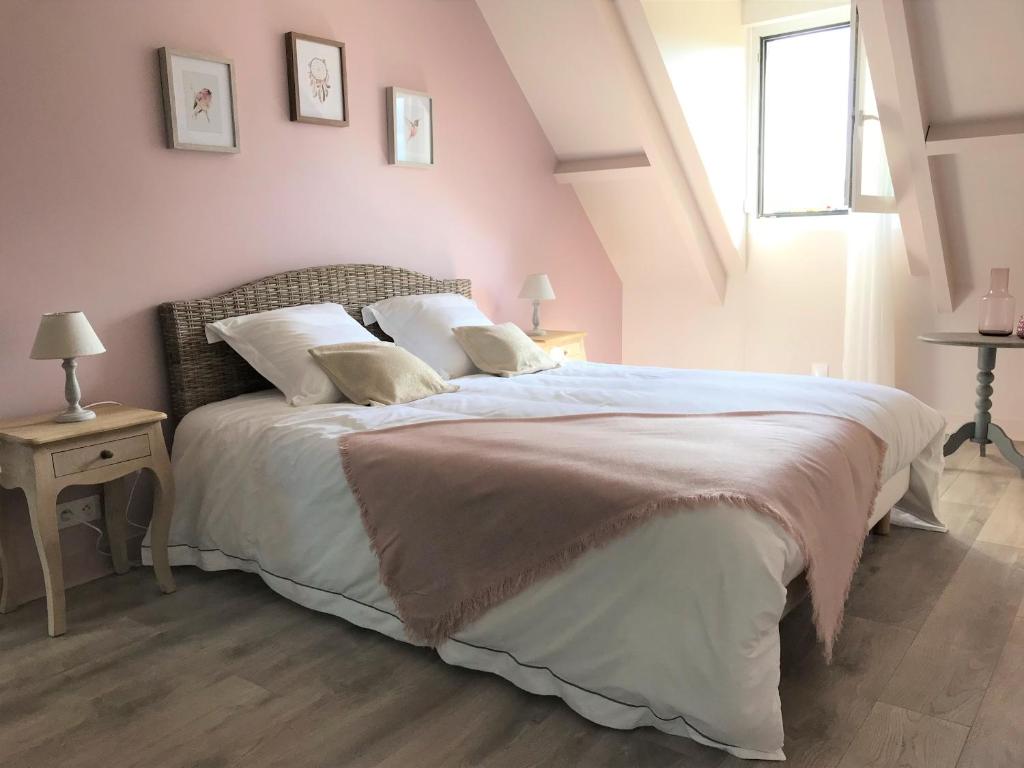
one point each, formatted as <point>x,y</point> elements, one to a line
<point>997,307</point>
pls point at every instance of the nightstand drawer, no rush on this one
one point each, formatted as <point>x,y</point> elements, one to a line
<point>560,351</point>
<point>563,345</point>
<point>575,351</point>
<point>100,455</point>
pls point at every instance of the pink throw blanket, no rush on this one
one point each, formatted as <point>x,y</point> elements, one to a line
<point>464,514</point>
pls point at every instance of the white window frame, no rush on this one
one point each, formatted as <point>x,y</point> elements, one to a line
<point>824,18</point>
<point>861,203</point>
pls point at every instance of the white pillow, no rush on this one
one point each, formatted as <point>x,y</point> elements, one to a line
<point>423,325</point>
<point>277,344</point>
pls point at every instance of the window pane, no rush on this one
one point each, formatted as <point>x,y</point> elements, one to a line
<point>874,175</point>
<point>874,169</point>
<point>805,102</point>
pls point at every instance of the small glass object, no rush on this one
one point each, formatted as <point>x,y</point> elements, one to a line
<point>996,315</point>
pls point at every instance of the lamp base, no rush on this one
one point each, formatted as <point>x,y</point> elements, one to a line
<point>536,332</point>
<point>82,414</point>
<point>73,395</point>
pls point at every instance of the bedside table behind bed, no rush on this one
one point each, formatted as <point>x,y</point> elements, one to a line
<point>42,457</point>
<point>563,345</point>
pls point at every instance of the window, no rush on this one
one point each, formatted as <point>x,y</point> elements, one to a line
<point>870,184</point>
<point>804,122</point>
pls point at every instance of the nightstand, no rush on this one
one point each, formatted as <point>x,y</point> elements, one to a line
<point>563,345</point>
<point>43,457</point>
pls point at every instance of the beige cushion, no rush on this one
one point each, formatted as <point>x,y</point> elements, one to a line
<point>502,349</point>
<point>378,373</point>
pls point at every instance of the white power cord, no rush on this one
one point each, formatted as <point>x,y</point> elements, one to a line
<point>128,504</point>
<point>127,517</point>
<point>131,493</point>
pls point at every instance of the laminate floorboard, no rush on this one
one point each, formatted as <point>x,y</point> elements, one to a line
<point>997,737</point>
<point>893,736</point>
<point>929,672</point>
<point>947,669</point>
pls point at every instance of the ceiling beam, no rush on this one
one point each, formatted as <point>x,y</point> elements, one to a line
<point>698,244</point>
<point>663,92</point>
<point>994,133</point>
<point>883,28</point>
<point>597,169</point>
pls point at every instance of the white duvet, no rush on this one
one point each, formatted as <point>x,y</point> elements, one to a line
<point>674,625</point>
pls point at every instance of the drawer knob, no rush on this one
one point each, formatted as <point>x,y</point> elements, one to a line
<point>106,453</point>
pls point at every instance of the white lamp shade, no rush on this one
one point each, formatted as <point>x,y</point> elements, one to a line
<point>65,334</point>
<point>537,287</point>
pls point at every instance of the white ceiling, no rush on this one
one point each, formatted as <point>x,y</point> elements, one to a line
<point>557,51</point>
<point>969,57</point>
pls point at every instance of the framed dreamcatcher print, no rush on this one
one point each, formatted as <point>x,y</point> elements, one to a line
<point>317,85</point>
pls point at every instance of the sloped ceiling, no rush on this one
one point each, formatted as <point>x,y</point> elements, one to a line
<point>558,54</point>
<point>966,62</point>
<point>967,65</point>
<point>971,57</point>
<point>592,73</point>
<point>971,64</point>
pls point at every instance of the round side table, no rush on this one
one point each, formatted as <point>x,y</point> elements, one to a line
<point>981,431</point>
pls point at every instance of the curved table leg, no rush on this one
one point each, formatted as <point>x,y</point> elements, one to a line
<point>1006,447</point>
<point>160,525</point>
<point>958,438</point>
<point>163,508</point>
<point>42,507</point>
<point>115,512</point>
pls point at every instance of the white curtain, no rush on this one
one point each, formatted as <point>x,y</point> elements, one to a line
<point>869,349</point>
<point>873,242</point>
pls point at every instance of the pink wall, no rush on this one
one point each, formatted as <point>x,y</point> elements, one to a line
<point>96,214</point>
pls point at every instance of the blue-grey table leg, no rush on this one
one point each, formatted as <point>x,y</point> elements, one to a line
<point>982,431</point>
<point>982,416</point>
<point>958,438</point>
<point>1006,447</point>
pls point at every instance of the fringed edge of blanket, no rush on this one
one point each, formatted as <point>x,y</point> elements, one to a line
<point>828,636</point>
<point>466,611</point>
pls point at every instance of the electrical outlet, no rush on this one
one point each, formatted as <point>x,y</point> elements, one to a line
<point>78,511</point>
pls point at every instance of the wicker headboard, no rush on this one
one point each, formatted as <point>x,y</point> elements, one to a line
<point>201,373</point>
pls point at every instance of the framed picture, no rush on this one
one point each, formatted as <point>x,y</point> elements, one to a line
<point>317,85</point>
<point>410,116</point>
<point>199,101</point>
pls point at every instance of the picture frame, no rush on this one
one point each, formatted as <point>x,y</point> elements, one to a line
<point>410,119</point>
<point>317,80</point>
<point>200,101</point>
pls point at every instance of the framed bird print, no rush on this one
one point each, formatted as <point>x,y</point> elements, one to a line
<point>200,106</point>
<point>410,117</point>
<point>317,86</point>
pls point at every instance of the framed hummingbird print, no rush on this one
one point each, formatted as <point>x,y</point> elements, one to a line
<point>200,106</point>
<point>410,118</point>
<point>317,84</point>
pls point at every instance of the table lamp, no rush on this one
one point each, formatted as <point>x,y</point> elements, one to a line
<point>65,336</point>
<point>537,288</point>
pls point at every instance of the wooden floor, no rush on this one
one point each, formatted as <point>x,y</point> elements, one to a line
<point>929,672</point>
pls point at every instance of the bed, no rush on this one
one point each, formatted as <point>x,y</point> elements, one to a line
<point>681,644</point>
